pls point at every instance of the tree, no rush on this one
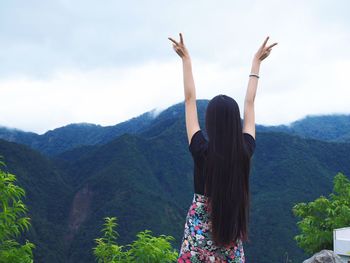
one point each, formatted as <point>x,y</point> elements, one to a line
<point>146,248</point>
<point>322,216</point>
<point>12,221</point>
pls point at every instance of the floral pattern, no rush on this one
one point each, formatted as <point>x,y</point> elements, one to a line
<point>197,245</point>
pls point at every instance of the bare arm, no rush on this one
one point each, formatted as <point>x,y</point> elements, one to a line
<point>192,124</point>
<point>249,113</point>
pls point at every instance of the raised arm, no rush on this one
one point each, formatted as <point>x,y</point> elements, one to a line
<point>249,113</point>
<point>192,124</point>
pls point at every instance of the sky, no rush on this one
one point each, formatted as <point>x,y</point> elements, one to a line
<point>104,62</point>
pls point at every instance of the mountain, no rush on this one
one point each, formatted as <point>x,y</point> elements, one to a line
<point>70,136</point>
<point>54,142</point>
<point>16,135</point>
<point>134,179</point>
<point>335,127</point>
<point>144,177</point>
<point>47,197</point>
<point>286,169</point>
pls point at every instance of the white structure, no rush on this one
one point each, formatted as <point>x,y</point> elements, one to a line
<point>341,243</point>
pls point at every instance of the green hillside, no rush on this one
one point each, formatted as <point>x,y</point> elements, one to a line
<point>57,141</point>
<point>286,170</point>
<point>47,198</point>
<point>65,138</point>
<point>54,142</point>
<point>333,127</point>
<point>145,179</point>
<point>126,178</point>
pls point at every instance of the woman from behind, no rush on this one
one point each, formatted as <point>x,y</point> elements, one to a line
<point>217,221</point>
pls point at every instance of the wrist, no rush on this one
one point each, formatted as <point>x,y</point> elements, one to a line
<point>255,67</point>
<point>256,61</point>
<point>186,59</point>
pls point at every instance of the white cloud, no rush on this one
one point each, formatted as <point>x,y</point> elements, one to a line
<point>110,96</point>
<point>83,61</point>
<point>104,96</point>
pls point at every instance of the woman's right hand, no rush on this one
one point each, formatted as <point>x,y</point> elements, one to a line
<point>263,52</point>
<point>180,47</point>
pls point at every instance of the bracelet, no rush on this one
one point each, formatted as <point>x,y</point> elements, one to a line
<point>254,75</point>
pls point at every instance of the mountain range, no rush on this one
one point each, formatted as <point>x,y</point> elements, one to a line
<point>53,142</point>
<point>141,172</point>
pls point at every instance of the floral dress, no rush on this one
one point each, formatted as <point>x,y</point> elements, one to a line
<point>197,244</point>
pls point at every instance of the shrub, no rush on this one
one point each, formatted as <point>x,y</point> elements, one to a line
<point>322,216</point>
<point>146,248</point>
<point>12,221</point>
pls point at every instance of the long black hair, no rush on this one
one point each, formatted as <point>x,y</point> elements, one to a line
<point>227,171</point>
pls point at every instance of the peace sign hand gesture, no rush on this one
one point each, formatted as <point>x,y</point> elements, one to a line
<point>263,52</point>
<point>180,48</point>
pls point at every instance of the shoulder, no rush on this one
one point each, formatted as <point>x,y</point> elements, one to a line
<point>249,142</point>
<point>198,143</point>
<point>248,137</point>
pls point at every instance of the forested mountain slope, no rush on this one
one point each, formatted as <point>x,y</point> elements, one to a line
<point>145,179</point>
<point>54,142</point>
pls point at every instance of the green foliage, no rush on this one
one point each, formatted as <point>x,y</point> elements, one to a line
<point>322,216</point>
<point>146,248</point>
<point>107,250</point>
<point>12,221</point>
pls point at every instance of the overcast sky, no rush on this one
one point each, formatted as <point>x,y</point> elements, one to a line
<point>103,62</point>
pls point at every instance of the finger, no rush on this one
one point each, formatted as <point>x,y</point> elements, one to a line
<point>173,41</point>
<point>274,44</point>
<point>263,45</point>
<point>181,39</point>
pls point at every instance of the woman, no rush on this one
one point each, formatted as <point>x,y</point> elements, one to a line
<point>217,221</point>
